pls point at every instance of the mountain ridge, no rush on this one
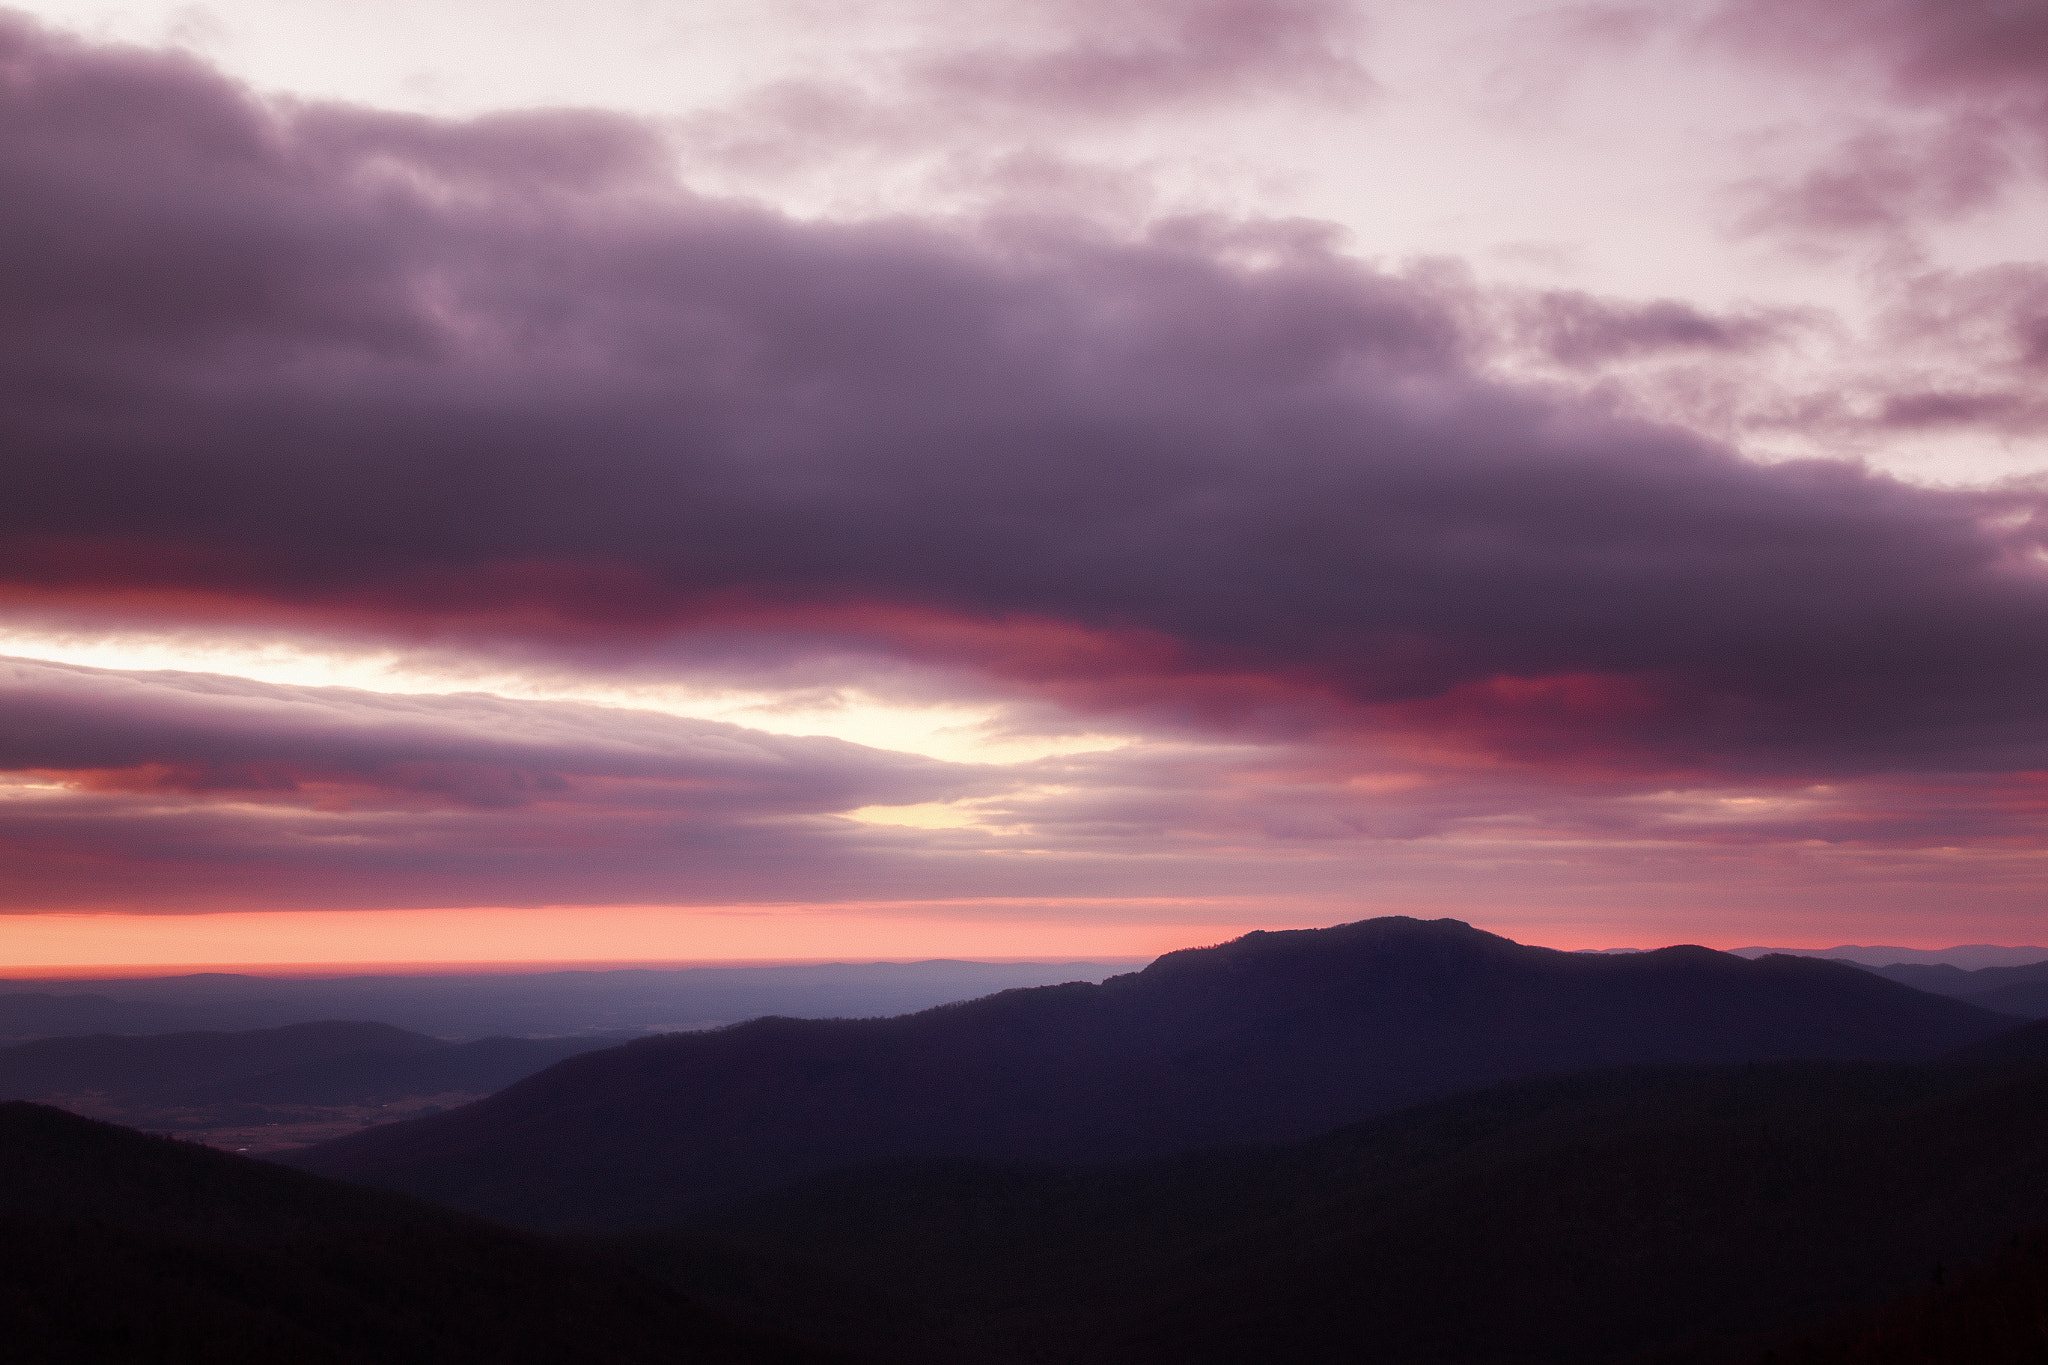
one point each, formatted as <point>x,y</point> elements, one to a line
<point>1273,1036</point>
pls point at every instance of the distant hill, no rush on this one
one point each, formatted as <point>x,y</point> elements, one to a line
<point>1271,1037</point>
<point>1942,979</point>
<point>119,1247</point>
<point>472,1005</point>
<point>1963,956</point>
<point>2022,999</point>
<point>157,1064</point>
<point>56,1014</point>
<point>271,1089</point>
<point>2021,990</point>
<point>1667,1214</point>
<point>367,1077</point>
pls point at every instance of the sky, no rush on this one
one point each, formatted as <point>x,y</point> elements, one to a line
<point>888,478</point>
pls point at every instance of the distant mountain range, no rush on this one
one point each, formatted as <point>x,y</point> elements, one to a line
<point>321,1063</point>
<point>1272,1037</point>
<point>119,1247</point>
<point>1964,956</point>
<point>517,1004</point>
<point>2021,991</point>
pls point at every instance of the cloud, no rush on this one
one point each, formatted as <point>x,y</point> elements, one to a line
<point>179,791</point>
<point>503,385</point>
<point>1883,182</point>
<point>1577,329</point>
<point>341,748</point>
<point>1011,104</point>
<point>1117,60</point>
<point>1963,110</point>
<point>1928,49</point>
<point>183,788</point>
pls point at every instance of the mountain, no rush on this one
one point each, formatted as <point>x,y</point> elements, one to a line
<point>2022,999</point>
<point>1675,1214</point>
<point>269,1090</point>
<point>119,1247</point>
<point>368,1077</point>
<point>155,1064</point>
<point>471,1005</point>
<point>1964,956</point>
<point>1272,1037</point>
<point>2020,990</point>
<point>44,1014</point>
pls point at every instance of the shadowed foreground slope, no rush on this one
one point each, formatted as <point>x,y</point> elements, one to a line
<point>1271,1037</point>
<point>1682,1215</point>
<point>115,1246</point>
<point>1992,1313</point>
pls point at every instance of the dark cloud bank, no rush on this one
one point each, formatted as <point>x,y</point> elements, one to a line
<point>504,384</point>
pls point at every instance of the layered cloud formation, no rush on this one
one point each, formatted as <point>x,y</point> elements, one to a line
<point>507,389</point>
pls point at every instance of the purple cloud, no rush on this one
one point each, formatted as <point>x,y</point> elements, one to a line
<point>1578,329</point>
<point>1162,52</point>
<point>1973,66</point>
<point>501,385</point>
<point>196,733</point>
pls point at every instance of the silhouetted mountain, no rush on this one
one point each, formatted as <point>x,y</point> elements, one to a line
<point>157,1064</point>
<point>119,1247</point>
<point>1667,1213</point>
<point>1271,1037</point>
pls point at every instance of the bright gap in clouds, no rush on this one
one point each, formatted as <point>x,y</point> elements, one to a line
<point>957,732</point>
<point>640,935</point>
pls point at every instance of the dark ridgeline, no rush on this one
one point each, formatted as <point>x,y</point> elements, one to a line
<point>116,1247</point>
<point>1272,1037</point>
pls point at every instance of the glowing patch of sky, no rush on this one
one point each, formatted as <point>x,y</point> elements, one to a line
<point>637,934</point>
<point>955,731</point>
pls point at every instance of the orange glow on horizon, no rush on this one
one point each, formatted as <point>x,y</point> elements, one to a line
<point>549,938</point>
<point>534,938</point>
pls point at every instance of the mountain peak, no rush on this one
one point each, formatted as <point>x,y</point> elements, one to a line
<point>1272,1036</point>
